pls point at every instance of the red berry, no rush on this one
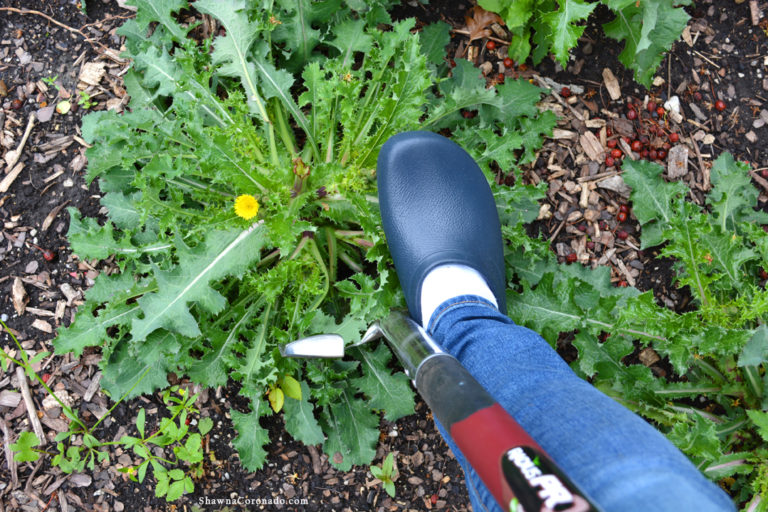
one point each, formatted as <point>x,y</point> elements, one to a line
<point>452,63</point>
<point>590,245</point>
<point>623,284</point>
<point>508,63</point>
<point>631,115</point>
<point>651,106</point>
<point>608,131</point>
<point>565,92</point>
<point>622,235</point>
<point>764,173</point>
<point>644,153</point>
<point>433,499</point>
<point>611,143</point>
<point>17,104</point>
<point>571,258</point>
<point>652,154</point>
<point>637,146</point>
<point>661,154</point>
<point>49,255</point>
<point>719,105</point>
<point>673,137</point>
<point>491,45</point>
<point>660,111</point>
<point>468,114</point>
<point>621,216</point>
<point>46,377</point>
<point>500,78</point>
<point>609,161</point>
<point>616,153</point>
<point>624,208</point>
<point>763,274</point>
<point>697,96</point>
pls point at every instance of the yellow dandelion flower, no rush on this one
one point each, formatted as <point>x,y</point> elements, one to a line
<point>246,206</point>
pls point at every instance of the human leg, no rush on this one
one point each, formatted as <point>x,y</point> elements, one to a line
<point>613,455</point>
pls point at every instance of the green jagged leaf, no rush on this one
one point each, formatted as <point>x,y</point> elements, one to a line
<point>122,208</point>
<point>159,71</point>
<point>350,38</point>
<point>126,374</point>
<point>391,393</point>
<point>755,352</point>
<point>300,419</point>
<point>549,309</point>
<point>151,11</point>
<point>352,432</point>
<point>654,202</point>
<point>251,436</point>
<point>434,38</point>
<point>213,368</point>
<point>602,357</point>
<point>298,30</point>
<point>698,439</point>
<point>89,240</point>
<point>733,197</point>
<point>564,30</point>
<point>648,29</point>
<point>728,465</point>
<point>223,253</point>
<point>89,330</point>
<point>24,447</point>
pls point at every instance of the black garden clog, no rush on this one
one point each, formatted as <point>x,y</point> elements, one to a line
<point>437,208</point>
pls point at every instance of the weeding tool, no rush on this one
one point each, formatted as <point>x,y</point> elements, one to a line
<point>512,465</point>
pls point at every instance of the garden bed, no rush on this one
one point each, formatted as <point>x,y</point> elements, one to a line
<point>50,56</point>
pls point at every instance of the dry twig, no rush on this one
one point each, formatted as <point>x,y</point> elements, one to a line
<point>9,454</point>
<point>31,411</point>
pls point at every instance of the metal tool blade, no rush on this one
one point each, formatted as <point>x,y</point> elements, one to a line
<point>318,346</point>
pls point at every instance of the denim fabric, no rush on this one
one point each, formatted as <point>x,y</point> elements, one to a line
<point>613,455</point>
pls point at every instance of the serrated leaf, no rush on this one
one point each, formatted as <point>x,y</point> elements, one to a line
<point>298,29</point>
<point>300,420</point>
<point>122,208</point>
<point>733,197</point>
<point>151,11</point>
<point>648,29</point>
<point>350,38</point>
<point>391,393</point>
<point>562,24</point>
<point>223,253</point>
<point>125,375</point>
<point>698,439</point>
<point>351,431</point>
<point>755,352</point>
<point>654,202</point>
<point>434,38</point>
<point>548,310</point>
<point>251,436</point>
<point>91,331</point>
<point>23,447</point>
<point>159,71</point>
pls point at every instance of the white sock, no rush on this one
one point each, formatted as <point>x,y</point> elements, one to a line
<point>448,281</point>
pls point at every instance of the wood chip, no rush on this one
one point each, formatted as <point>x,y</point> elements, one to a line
<point>560,134</point>
<point>615,183</point>
<point>49,219</point>
<point>92,73</point>
<point>92,387</point>
<point>9,453</point>
<point>19,296</point>
<point>80,480</point>
<point>10,177</point>
<point>42,325</point>
<point>614,90</point>
<point>755,12</point>
<point>49,402</point>
<point>648,356</point>
<point>9,398</point>
<point>591,146</point>
<point>677,162</point>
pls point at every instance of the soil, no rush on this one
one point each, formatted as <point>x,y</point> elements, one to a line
<point>43,56</point>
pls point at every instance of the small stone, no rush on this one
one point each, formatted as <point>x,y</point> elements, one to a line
<point>751,136</point>
<point>80,480</point>
<point>758,123</point>
<point>118,506</point>
<point>45,114</point>
<point>49,402</point>
<point>31,267</point>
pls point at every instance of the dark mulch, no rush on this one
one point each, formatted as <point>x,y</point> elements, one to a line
<point>41,62</point>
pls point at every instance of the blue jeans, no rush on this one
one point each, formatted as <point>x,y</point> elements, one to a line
<point>613,455</point>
